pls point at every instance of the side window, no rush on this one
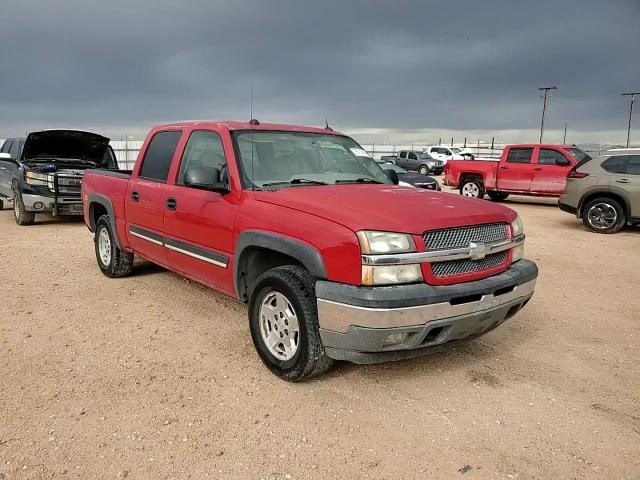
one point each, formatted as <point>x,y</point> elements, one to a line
<point>519,155</point>
<point>546,156</point>
<point>412,156</point>
<point>204,149</point>
<point>403,154</point>
<point>434,150</point>
<point>6,146</point>
<point>13,150</point>
<point>615,164</point>
<point>445,151</point>
<point>157,159</point>
<point>633,165</point>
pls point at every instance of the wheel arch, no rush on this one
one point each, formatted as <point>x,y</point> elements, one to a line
<point>607,193</point>
<point>100,205</point>
<point>258,251</point>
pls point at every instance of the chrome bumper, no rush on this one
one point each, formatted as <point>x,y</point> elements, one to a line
<point>44,204</point>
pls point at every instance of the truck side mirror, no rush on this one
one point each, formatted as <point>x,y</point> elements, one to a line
<point>205,178</point>
<point>393,176</point>
<point>563,162</point>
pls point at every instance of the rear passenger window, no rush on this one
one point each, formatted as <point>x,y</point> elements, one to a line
<point>546,156</point>
<point>6,146</point>
<point>615,164</point>
<point>519,155</point>
<point>13,150</point>
<point>403,154</point>
<point>412,156</point>
<point>157,159</point>
<point>204,149</point>
<point>633,165</point>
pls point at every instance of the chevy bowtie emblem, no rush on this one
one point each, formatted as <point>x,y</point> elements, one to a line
<point>477,251</point>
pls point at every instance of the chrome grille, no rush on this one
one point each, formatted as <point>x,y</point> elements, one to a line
<point>69,184</point>
<point>460,237</point>
<point>458,267</point>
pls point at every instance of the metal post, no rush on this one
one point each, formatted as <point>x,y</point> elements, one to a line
<point>564,139</point>
<point>465,142</point>
<point>633,99</point>
<point>440,141</point>
<point>544,107</point>
<point>452,141</point>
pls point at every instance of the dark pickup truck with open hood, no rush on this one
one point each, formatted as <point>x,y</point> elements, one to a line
<point>42,173</point>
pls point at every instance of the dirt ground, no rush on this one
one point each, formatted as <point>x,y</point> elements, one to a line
<point>153,376</point>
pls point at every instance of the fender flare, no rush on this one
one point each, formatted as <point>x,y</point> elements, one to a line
<point>95,198</point>
<point>306,254</point>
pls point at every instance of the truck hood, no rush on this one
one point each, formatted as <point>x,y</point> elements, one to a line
<point>388,207</point>
<point>51,145</point>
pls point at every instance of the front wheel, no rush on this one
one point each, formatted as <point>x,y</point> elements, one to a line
<point>283,319</point>
<point>472,187</point>
<point>20,214</point>
<point>423,170</point>
<point>113,261</point>
<point>498,196</point>
<point>603,215</point>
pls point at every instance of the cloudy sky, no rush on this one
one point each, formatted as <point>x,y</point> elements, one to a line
<point>387,71</point>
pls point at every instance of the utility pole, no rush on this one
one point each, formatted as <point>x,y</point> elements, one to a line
<point>633,99</point>
<point>564,139</point>
<point>544,107</point>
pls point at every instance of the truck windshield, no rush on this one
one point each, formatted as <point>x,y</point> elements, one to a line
<point>270,159</point>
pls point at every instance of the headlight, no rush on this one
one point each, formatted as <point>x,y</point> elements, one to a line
<point>385,242</point>
<point>404,184</point>
<point>516,227</point>
<point>391,274</point>
<point>516,230</point>
<point>34,178</point>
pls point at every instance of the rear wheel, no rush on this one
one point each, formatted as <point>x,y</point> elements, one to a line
<point>283,319</point>
<point>20,213</point>
<point>423,169</point>
<point>112,260</point>
<point>472,187</point>
<point>498,196</point>
<point>603,215</point>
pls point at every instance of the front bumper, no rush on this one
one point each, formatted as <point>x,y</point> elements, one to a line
<point>358,323</point>
<point>55,205</point>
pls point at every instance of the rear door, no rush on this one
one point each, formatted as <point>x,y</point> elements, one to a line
<point>626,180</point>
<point>515,172</point>
<point>146,195</point>
<point>198,224</point>
<point>549,175</point>
<point>402,159</point>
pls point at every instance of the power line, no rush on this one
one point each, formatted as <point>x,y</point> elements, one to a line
<point>633,99</point>
<point>544,107</point>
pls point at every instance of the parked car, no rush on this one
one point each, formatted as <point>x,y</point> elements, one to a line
<point>522,169</point>
<point>440,152</point>
<point>42,173</point>
<point>411,179</point>
<point>605,191</point>
<point>419,161</point>
<point>334,260</point>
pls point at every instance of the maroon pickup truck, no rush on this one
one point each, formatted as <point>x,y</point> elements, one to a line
<point>335,260</point>
<point>539,170</point>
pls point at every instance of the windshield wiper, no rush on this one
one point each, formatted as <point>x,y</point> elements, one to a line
<point>295,181</point>
<point>359,180</point>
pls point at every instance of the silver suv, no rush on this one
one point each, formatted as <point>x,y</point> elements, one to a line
<point>605,191</point>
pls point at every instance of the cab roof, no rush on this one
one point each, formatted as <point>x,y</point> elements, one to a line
<point>232,125</point>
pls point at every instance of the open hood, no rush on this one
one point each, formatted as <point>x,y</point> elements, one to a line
<point>49,145</point>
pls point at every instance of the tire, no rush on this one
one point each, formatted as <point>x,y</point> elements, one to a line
<point>498,196</point>
<point>113,261</point>
<point>423,170</point>
<point>277,291</point>
<point>603,215</point>
<point>20,213</point>
<point>1,204</point>
<point>472,187</point>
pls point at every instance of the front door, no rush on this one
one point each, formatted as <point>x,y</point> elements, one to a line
<point>514,174</point>
<point>550,170</point>
<point>146,196</point>
<point>199,224</point>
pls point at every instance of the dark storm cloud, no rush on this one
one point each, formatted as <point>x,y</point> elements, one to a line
<point>465,65</point>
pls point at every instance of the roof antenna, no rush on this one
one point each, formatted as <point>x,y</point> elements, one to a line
<point>252,120</point>
<point>326,126</point>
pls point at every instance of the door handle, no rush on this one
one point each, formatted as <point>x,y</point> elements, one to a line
<point>504,167</point>
<point>135,196</point>
<point>171,203</point>
<point>538,168</point>
<point>623,180</point>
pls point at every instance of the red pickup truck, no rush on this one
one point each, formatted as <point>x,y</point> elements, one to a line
<point>335,260</point>
<point>539,170</point>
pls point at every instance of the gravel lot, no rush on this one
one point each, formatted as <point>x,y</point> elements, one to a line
<point>153,376</point>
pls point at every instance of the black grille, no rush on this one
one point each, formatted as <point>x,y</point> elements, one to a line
<point>69,184</point>
<point>457,267</point>
<point>460,237</point>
